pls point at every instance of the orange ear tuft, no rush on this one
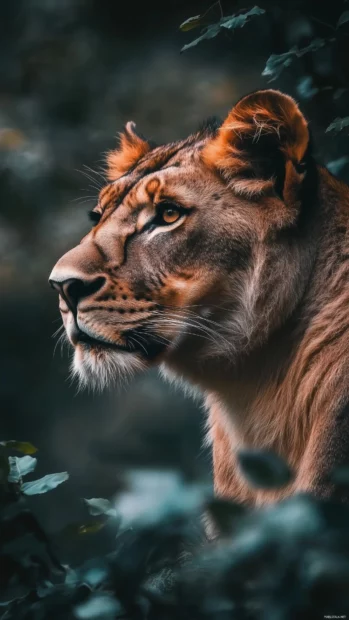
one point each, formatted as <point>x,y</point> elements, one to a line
<point>132,147</point>
<point>263,131</point>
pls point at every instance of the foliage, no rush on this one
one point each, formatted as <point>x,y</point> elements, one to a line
<point>338,124</point>
<point>285,561</point>
<point>264,469</point>
<point>276,63</point>
<point>229,23</point>
<point>319,52</point>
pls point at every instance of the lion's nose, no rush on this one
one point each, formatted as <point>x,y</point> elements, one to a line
<point>74,289</point>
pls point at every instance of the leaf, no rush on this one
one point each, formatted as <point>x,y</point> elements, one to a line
<point>91,528</point>
<point>338,124</point>
<point>239,21</point>
<point>72,530</point>
<point>20,466</point>
<point>306,88</point>
<point>210,33</point>
<point>20,446</point>
<point>191,23</point>
<point>231,22</point>
<point>264,469</point>
<point>99,506</point>
<point>42,485</point>
<point>276,63</point>
<point>339,92</point>
<point>224,515</point>
<point>99,606</point>
<point>337,165</point>
<point>344,18</point>
<point>95,575</point>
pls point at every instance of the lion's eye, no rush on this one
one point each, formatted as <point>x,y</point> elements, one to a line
<point>168,214</point>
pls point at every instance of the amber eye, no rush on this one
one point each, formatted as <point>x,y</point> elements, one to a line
<point>169,214</point>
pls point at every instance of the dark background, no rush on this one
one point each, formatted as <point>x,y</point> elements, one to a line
<point>72,73</point>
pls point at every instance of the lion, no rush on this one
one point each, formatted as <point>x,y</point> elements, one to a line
<point>223,258</point>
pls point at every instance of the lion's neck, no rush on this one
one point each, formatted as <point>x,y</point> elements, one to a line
<point>299,375</point>
<point>274,396</point>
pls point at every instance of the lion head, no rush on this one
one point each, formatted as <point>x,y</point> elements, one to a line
<point>197,252</point>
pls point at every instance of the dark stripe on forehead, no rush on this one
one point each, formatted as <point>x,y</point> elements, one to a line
<point>151,162</point>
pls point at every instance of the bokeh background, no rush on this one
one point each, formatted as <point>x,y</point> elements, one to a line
<point>72,73</point>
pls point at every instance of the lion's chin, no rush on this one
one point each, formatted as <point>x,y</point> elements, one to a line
<point>99,368</point>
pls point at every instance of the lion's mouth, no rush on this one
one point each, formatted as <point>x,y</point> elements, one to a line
<point>135,341</point>
<point>95,343</point>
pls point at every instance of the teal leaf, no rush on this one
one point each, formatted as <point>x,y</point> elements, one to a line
<point>338,124</point>
<point>239,21</point>
<point>306,88</point>
<point>210,33</point>
<point>98,606</point>
<point>264,469</point>
<point>20,466</point>
<point>42,485</point>
<point>99,506</point>
<point>231,22</point>
<point>344,18</point>
<point>94,576</point>
<point>337,165</point>
<point>276,63</point>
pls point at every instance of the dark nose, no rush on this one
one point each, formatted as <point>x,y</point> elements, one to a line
<point>74,290</point>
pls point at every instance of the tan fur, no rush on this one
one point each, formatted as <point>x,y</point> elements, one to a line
<point>245,296</point>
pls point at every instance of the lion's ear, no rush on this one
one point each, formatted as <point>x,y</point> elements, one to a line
<point>131,148</point>
<point>264,139</point>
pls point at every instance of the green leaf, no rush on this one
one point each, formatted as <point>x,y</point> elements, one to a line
<point>344,18</point>
<point>191,23</point>
<point>230,22</point>
<point>20,466</point>
<point>276,63</point>
<point>21,446</point>
<point>42,485</point>
<point>91,528</point>
<point>74,530</point>
<point>99,506</point>
<point>264,469</point>
<point>338,124</point>
<point>239,21</point>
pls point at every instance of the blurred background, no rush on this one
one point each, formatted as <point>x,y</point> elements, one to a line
<point>72,73</point>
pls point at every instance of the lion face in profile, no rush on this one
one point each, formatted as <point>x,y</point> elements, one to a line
<point>195,255</point>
